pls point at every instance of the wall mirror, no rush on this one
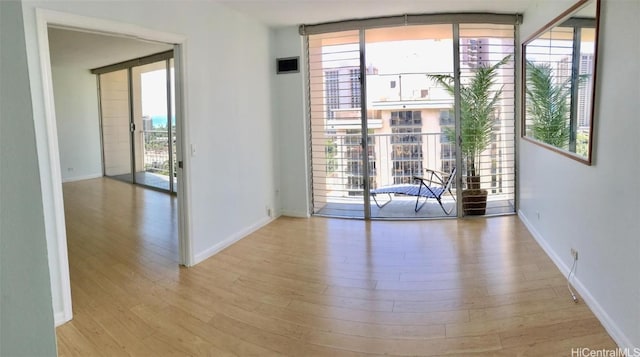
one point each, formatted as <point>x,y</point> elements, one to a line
<point>559,74</point>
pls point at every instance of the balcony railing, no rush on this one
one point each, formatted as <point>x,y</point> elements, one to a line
<point>156,146</point>
<point>393,158</point>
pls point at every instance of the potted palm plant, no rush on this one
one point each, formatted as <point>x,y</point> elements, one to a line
<point>478,106</point>
<point>547,105</point>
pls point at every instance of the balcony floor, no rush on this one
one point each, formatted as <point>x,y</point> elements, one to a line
<point>402,207</point>
<point>148,179</point>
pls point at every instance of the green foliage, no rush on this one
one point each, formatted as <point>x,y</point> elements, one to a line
<point>331,149</point>
<point>582,144</point>
<point>477,107</point>
<point>547,105</point>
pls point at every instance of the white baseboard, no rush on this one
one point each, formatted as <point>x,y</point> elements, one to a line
<point>80,178</point>
<point>213,250</point>
<point>622,340</point>
<point>59,318</point>
<point>297,214</point>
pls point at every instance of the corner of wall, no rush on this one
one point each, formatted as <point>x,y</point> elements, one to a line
<point>26,311</point>
<point>296,214</point>
<point>233,238</point>
<point>290,121</point>
<point>621,339</point>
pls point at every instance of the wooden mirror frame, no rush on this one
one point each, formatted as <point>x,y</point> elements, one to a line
<point>573,91</point>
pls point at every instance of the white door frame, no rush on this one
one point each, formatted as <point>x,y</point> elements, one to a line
<point>47,145</point>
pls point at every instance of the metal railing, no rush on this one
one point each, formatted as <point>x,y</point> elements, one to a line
<point>156,146</point>
<point>396,158</point>
<point>393,159</point>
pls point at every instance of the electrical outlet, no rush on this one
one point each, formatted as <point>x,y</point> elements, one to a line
<point>538,215</point>
<point>268,210</point>
<point>574,254</point>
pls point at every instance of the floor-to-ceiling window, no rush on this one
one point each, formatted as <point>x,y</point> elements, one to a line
<point>483,46</point>
<point>409,105</point>
<point>116,124</point>
<point>380,117</point>
<point>338,169</point>
<point>138,121</point>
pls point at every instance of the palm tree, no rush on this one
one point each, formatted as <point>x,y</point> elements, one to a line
<point>547,105</point>
<point>477,107</point>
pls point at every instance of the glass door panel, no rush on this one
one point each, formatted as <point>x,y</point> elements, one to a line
<point>409,116</point>
<point>116,129</point>
<point>152,141</point>
<point>338,172</point>
<point>488,118</point>
<point>414,139</point>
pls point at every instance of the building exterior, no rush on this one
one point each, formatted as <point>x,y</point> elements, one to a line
<point>410,124</point>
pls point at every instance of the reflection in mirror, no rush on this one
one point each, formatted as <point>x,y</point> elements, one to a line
<point>559,79</point>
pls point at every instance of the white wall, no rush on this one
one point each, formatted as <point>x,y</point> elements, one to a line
<point>595,209</point>
<point>232,179</point>
<point>227,108</point>
<point>291,124</point>
<point>26,317</point>
<point>78,123</point>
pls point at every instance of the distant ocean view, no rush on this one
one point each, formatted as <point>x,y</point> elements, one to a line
<point>160,121</point>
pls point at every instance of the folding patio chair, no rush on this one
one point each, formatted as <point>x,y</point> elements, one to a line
<point>434,185</point>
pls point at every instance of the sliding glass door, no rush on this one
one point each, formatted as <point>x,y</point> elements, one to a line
<point>488,49</point>
<point>138,122</point>
<point>413,113</point>
<point>116,125</point>
<point>155,139</point>
<point>374,138</point>
<point>338,165</point>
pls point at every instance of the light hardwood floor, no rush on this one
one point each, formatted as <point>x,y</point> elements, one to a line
<point>311,287</point>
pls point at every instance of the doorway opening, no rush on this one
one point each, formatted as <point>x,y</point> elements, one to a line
<point>52,172</point>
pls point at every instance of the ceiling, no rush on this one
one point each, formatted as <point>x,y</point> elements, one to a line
<point>89,50</point>
<point>278,13</point>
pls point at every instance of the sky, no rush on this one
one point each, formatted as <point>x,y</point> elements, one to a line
<point>154,93</point>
